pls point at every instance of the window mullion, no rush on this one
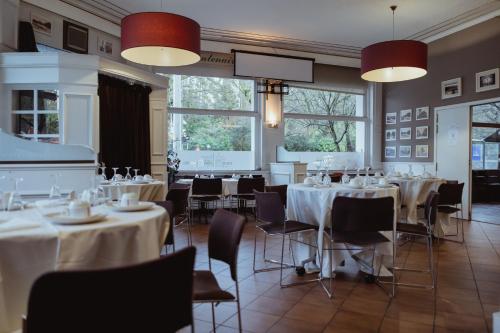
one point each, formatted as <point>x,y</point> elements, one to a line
<point>213,112</point>
<point>324,117</point>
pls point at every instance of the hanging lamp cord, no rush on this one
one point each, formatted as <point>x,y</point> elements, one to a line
<point>393,8</point>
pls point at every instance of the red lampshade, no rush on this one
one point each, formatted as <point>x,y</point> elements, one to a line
<point>392,61</point>
<point>160,39</point>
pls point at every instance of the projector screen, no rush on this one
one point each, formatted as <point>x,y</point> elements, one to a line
<point>272,66</point>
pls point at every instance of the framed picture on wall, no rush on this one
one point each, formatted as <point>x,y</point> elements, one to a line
<point>41,24</point>
<point>390,134</point>
<point>75,38</point>
<point>405,151</point>
<point>390,152</point>
<point>422,151</point>
<point>405,133</point>
<point>487,80</point>
<point>421,132</point>
<point>422,113</point>
<point>451,88</point>
<point>405,116</point>
<point>390,118</point>
<point>104,45</point>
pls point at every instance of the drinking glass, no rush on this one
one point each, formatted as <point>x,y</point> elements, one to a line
<point>15,201</point>
<point>55,190</point>
<point>128,177</point>
<point>115,175</point>
<point>103,173</point>
<point>136,173</point>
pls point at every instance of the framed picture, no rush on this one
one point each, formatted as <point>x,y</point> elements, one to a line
<point>405,133</point>
<point>41,24</point>
<point>390,152</point>
<point>422,113</point>
<point>104,45</point>
<point>390,118</point>
<point>487,80</point>
<point>405,151</point>
<point>422,151</point>
<point>75,38</point>
<point>390,134</point>
<point>422,132</point>
<point>405,116</point>
<point>451,88</point>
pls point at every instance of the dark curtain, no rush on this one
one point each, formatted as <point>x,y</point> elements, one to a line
<point>124,125</point>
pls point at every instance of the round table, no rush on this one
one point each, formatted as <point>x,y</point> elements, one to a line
<point>229,185</point>
<point>154,191</point>
<point>121,239</point>
<point>314,204</point>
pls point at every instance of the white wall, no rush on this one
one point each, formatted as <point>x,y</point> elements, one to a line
<point>8,25</point>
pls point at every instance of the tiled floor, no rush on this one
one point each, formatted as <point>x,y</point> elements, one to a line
<point>486,212</point>
<point>468,291</point>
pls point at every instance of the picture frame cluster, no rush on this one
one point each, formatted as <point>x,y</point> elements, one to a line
<point>485,81</point>
<point>419,132</point>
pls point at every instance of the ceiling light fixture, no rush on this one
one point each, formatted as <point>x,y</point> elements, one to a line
<point>160,39</point>
<point>395,60</point>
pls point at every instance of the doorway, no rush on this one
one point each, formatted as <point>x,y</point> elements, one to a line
<point>485,156</point>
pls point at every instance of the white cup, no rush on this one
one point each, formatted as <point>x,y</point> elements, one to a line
<point>5,200</point>
<point>79,208</point>
<point>308,181</point>
<point>138,178</point>
<point>382,181</point>
<point>148,177</point>
<point>356,181</point>
<point>377,174</point>
<point>129,199</point>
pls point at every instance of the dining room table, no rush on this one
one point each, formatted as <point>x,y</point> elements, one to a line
<point>313,204</point>
<point>146,190</point>
<point>30,246</point>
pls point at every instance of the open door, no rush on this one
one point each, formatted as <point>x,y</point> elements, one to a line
<point>452,153</point>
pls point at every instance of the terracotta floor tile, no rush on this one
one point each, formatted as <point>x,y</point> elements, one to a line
<point>459,306</point>
<point>271,305</point>
<point>460,322</point>
<point>311,313</point>
<point>288,325</point>
<point>361,305</point>
<point>253,321</point>
<point>393,326</point>
<point>347,321</point>
<point>410,314</point>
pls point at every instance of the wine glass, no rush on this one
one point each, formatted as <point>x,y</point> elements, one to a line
<point>136,173</point>
<point>115,175</point>
<point>103,173</point>
<point>55,190</point>
<point>128,177</point>
<point>15,201</point>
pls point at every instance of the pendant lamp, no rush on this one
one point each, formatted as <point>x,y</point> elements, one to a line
<point>160,39</point>
<point>395,60</point>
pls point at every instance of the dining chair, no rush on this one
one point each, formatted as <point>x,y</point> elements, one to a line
<point>149,297</point>
<point>336,177</point>
<point>280,189</point>
<point>224,238</point>
<point>179,196</point>
<point>169,239</point>
<point>270,219</point>
<point>450,198</point>
<point>400,203</point>
<point>244,192</point>
<point>205,191</point>
<point>358,222</point>
<point>422,230</point>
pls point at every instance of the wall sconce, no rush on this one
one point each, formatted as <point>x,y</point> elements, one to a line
<point>274,91</point>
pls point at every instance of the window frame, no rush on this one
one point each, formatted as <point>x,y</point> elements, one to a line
<point>255,114</point>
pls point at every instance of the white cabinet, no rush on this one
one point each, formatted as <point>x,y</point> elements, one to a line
<point>288,173</point>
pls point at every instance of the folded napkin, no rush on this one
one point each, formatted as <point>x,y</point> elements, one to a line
<point>18,224</point>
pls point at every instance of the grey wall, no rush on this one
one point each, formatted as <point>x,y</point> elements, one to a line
<point>462,54</point>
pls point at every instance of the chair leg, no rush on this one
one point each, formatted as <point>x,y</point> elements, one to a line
<point>281,261</point>
<point>255,247</point>
<point>213,316</point>
<point>238,306</point>
<point>431,261</point>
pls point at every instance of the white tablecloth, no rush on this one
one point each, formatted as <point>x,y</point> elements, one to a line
<point>229,185</point>
<point>122,239</point>
<point>313,205</point>
<point>155,191</point>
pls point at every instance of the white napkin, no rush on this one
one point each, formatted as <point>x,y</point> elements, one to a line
<point>18,224</point>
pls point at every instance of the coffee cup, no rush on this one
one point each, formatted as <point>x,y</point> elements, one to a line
<point>377,174</point>
<point>148,177</point>
<point>129,199</point>
<point>308,181</point>
<point>79,208</point>
<point>382,181</point>
<point>356,182</point>
<point>138,178</point>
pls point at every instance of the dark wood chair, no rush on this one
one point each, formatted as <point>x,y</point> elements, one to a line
<point>205,191</point>
<point>150,297</point>
<point>180,198</point>
<point>423,230</point>
<point>281,190</point>
<point>450,202</point>
<point>224,239</point>
<point>170,239</point>
<point>271,220</point>
<point>245,189</point>
<point>358,222</point>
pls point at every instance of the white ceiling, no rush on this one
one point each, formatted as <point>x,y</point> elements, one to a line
<point>355,23</point>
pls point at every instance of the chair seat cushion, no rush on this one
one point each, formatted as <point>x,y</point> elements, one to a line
<point>417,229</point>
<point>358,238</point>
<point>206,288</point>
<point>448,209</point>
<point>291,227</point>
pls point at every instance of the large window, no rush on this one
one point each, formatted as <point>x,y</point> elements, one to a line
<point>486,136</point>
<point>212,122</point>
<point>35,115</point>
<point>323,122</point>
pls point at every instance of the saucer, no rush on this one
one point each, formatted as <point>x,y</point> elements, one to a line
<point>61,218</point>
<point>135,208</point>
<point>354,186</point>
<point>383,186</point>
<point>140,182</point>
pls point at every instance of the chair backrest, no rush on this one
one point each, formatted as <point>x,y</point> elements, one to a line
<point>450,194</point>
<point>178,185</point>
<point>207,186</point>
<point>179,197</point>
<point>280,189</point>
<point>128,299</point>
<point>247,185</point>
<point>169,207</point>
<point>362,214</point>
<point>269,207</point>
<point>431,207</point>
<point>452,182</point>
<point>224,238</point>
<point>336,177</point>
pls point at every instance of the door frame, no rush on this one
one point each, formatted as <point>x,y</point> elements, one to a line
<point>469,106</point>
